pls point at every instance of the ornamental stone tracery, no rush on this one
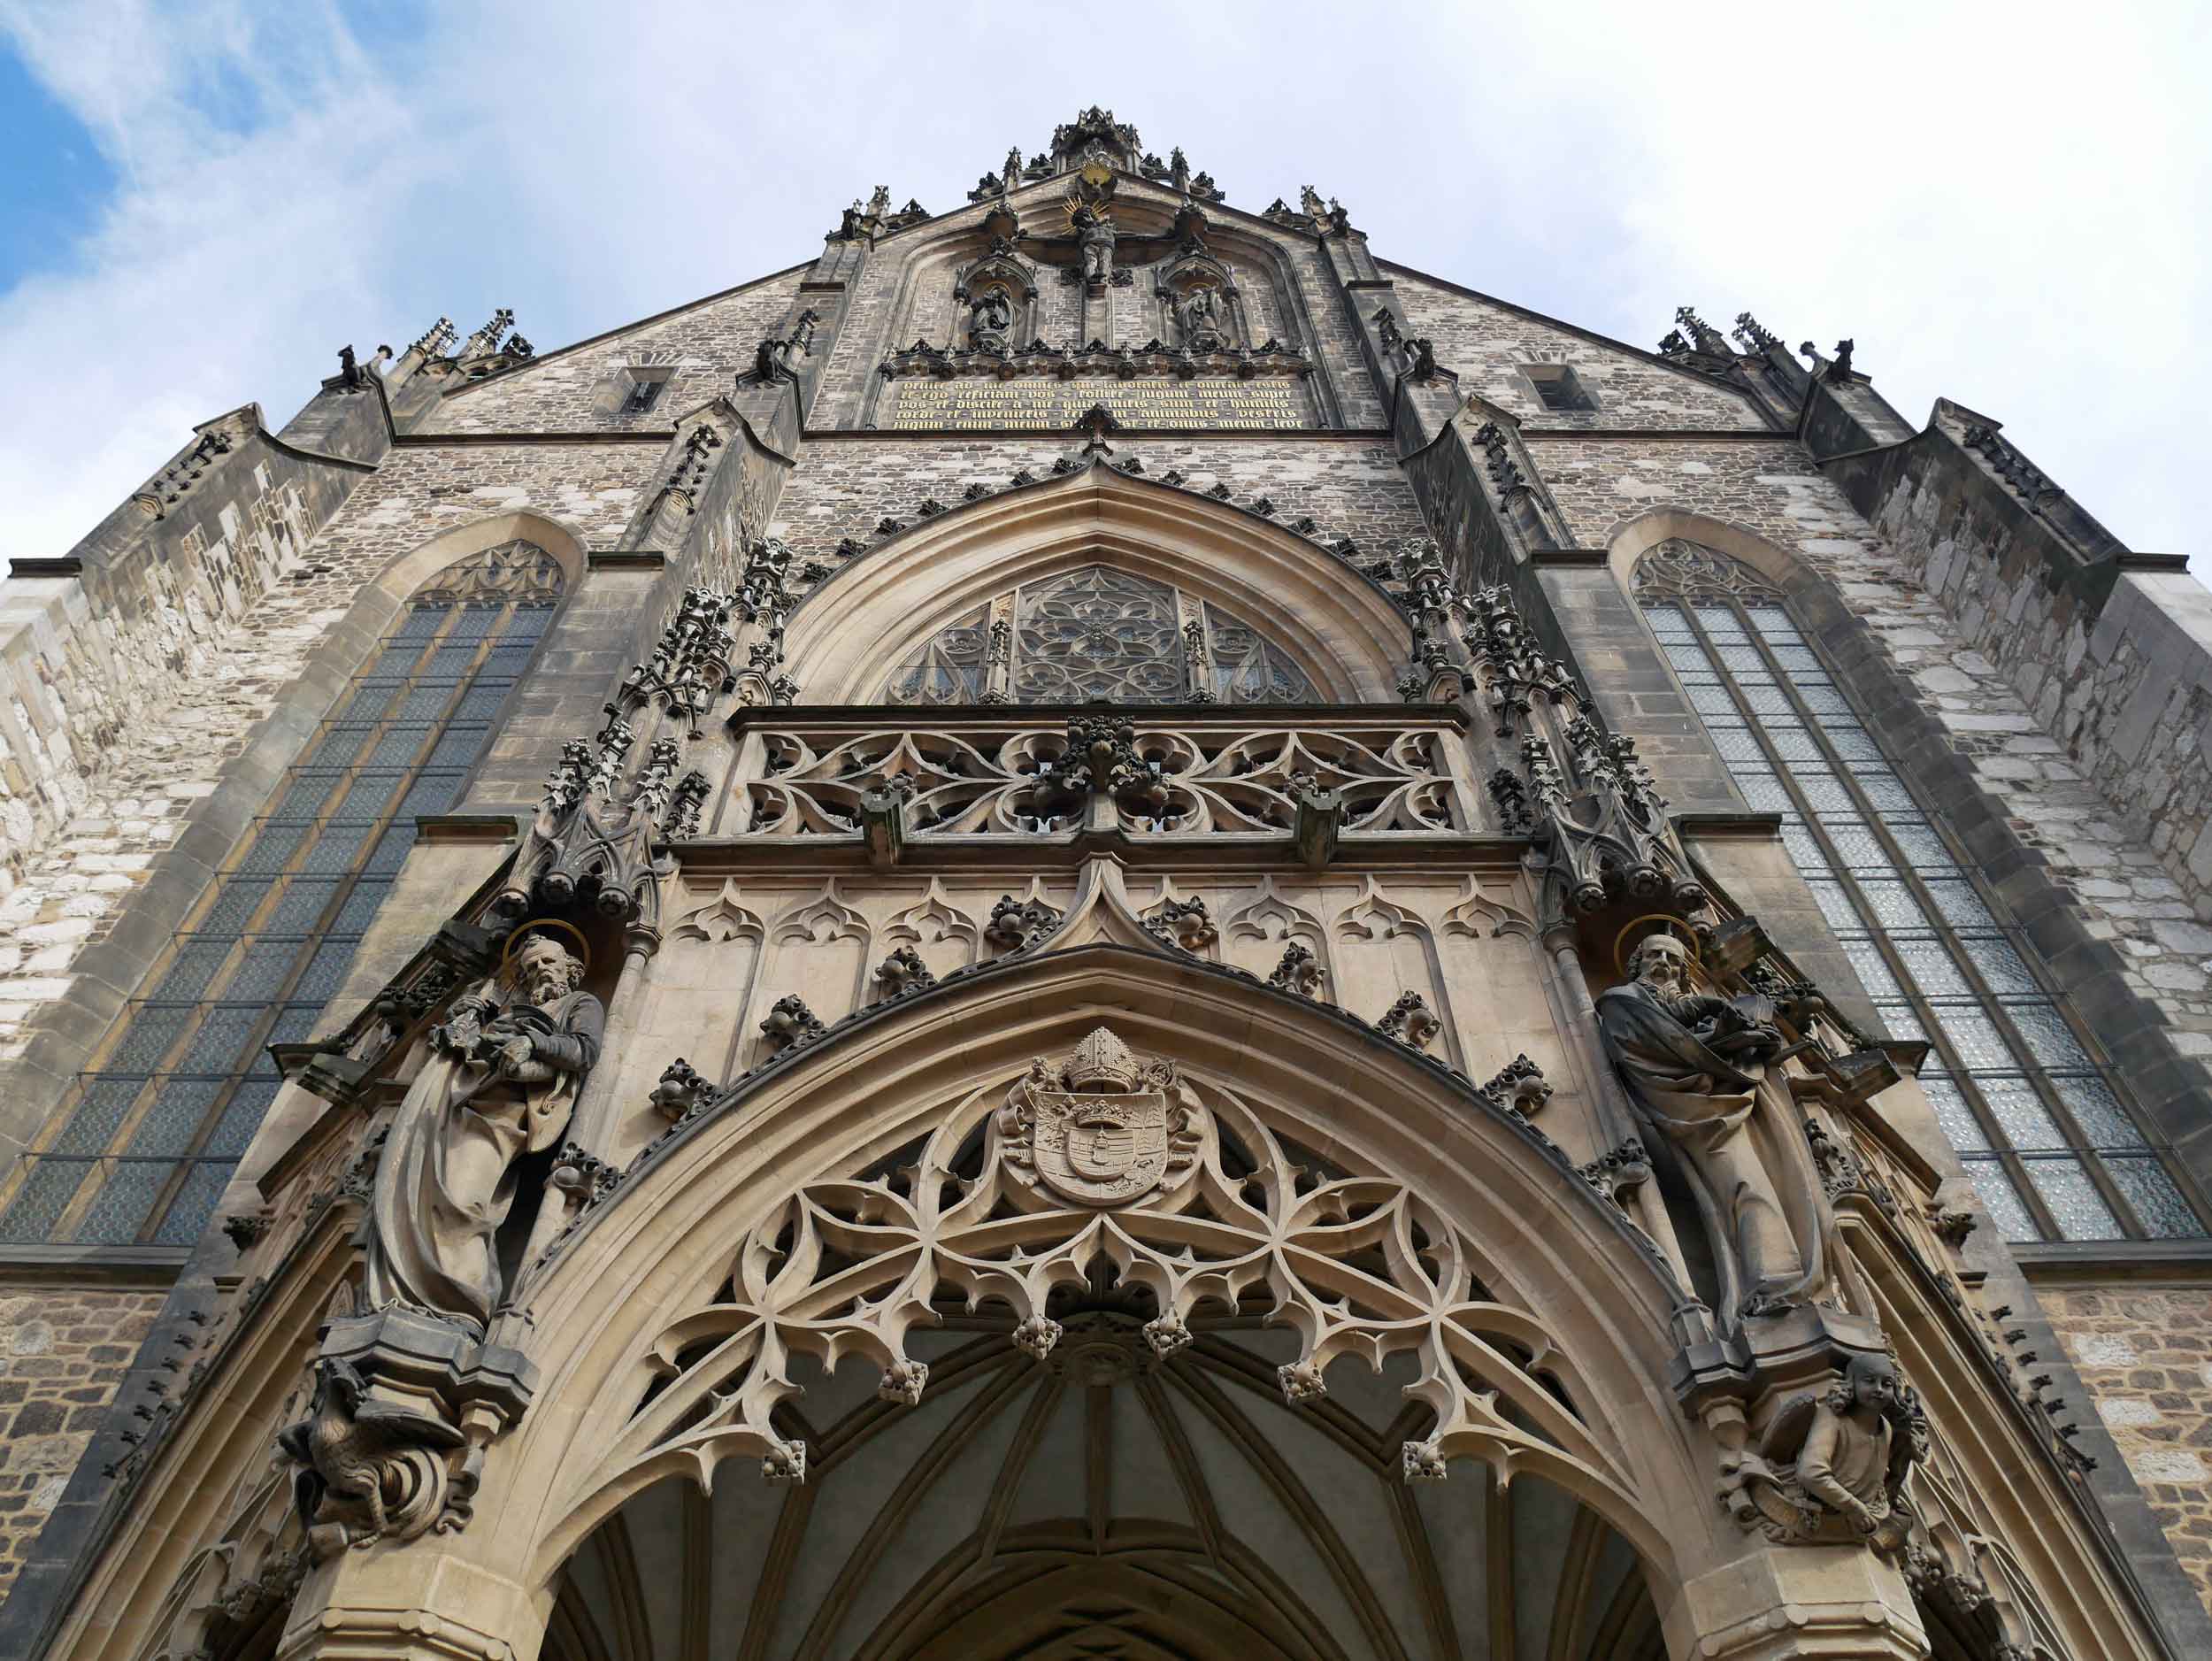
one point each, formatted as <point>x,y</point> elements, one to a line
<point>1096,1164</point>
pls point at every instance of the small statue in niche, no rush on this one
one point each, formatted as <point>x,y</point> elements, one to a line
<point>1198,320</point>
<point>1694,1063</point>
<point>500,1083</point>
<point>1094,237</point>
<point>989,318</point>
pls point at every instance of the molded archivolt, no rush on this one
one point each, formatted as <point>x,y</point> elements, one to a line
<point>1345,634</point>
<point>856,1107</point>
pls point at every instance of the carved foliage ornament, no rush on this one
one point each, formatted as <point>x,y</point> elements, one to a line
<point>1096,1160</point>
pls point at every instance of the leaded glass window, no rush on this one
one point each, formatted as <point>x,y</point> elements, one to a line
<point>143,1150</point>
<point>1098,635</point>
<point>2015,1079</point>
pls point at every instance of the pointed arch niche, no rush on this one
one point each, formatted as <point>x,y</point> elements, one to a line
<point>1270,598</point>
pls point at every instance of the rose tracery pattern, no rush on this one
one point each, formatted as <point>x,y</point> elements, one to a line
<point>1098,635</point>
<point>1196,782</point>
<point>1210,1214</point>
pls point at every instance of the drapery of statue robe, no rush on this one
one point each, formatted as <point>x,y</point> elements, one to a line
<point>1702,1102</point>
<point>446,1179</point>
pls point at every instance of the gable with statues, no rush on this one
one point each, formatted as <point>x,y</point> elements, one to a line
<point>1083,846</point>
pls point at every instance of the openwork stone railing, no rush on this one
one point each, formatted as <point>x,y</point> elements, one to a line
<point>1020,777</point>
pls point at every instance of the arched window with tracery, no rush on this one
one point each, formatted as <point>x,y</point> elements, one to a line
<point>1098,635</point>
<point>145,1144</point>
<point>2013,1073</point>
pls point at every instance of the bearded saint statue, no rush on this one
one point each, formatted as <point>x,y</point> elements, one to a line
<point>500,1083</point>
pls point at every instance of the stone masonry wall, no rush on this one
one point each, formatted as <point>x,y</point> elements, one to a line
<point>71,892</point>
<point>1484,344</point>
<point>703,347</point>
<point>2124,891</point>
<point>2145,1352</point>
<point>1348,487</point>
<point>63,1351</point>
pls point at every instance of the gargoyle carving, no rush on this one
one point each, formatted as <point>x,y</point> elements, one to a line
<point>370,1470</point>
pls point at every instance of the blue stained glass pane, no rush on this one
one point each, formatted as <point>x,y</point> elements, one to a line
<point>425,701</point>
<point>2003,1202</point>
<point>1974,1035</point>
<point>194,1207</point>
<point>45,1193</point>
<point>191,969</point>
<point>334,747</point>
<point>220,1046</point>
<point>2098,1111</point>
<point>482,701</point>
<point>325,970</point>
<point>1764,792</point>
<point>306,793</point>
<point>366,799</point>
<point>335,849</point>
<point>2157,1199</point>
<point>300,905</point>
<point>1835,904</point>
<point>292,1027</point>
<point>100,1110</point>
<point>2072,1198</point>
<point>433,793</point>
<point>152,1029</point>
<point>2019,1111</point>
<point>372,703</point>
<point>391,851</point>
<point>241,1117</point>
<point>449,664</point>
<point>355,916</point>
<point>262,969</point>
<point>118,1210</point>
<point>421,622</point>
<point>1954,1117</point>
<point>457,746</point>
<point>474,622</point>
<point>180,1107</point>
<point>2049,1039</point>
<point>398,747</point>
<point>274,845</point>
<point>1930,963</point>
<point>1873,971</point>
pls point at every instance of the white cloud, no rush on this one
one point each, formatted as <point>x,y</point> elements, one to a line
<point>1997,205</point>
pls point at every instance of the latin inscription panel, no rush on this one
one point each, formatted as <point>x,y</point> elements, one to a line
<point>1221,405</point>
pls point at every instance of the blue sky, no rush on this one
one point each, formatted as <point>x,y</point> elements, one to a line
<point>209,197</point>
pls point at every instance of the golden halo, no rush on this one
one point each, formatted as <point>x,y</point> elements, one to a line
<point>524,930</point>
<point>1671,925</point>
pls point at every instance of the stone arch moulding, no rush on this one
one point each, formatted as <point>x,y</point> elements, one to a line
<point>409,571</point>
<point>1631,538</point>
<point>645,1263</point>
<point>1342,631</point>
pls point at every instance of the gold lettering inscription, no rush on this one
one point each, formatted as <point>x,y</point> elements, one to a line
<point>1217,405</point>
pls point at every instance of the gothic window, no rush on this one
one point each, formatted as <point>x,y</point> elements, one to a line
<point>2013,1075</point>
<point>141,1152</point>
<point>1098,635</point>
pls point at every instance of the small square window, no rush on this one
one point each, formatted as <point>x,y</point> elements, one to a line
<point>1559,386</point>
<point>643,395</point>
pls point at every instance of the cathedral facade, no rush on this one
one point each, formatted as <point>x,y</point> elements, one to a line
<point>1099,929</point>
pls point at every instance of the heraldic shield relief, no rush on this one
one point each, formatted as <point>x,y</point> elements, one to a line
<point>1099,1128</point>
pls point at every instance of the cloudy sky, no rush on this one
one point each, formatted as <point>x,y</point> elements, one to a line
<point>2002,205</point>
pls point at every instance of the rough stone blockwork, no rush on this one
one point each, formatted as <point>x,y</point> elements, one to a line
<point>2125,892</point>
<point>1487,345</point>
<point>71,888</point>
<point>2146,1352</point>
<point>1352,487</point>
<point>63,1351</point>
<point>700,350</point>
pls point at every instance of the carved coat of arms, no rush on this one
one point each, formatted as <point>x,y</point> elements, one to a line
<point>1098,1127</point>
